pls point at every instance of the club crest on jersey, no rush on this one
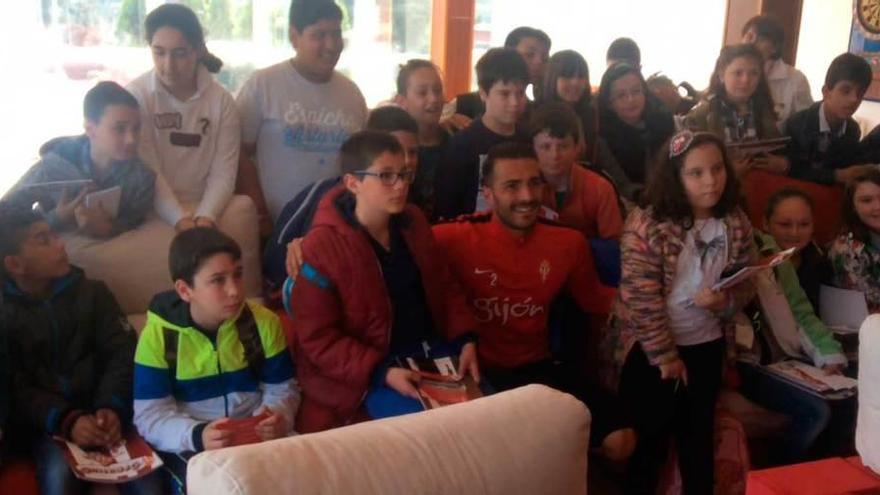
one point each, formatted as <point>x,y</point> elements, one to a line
<point>544,270</point>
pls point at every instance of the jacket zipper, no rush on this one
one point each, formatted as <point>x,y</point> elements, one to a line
<point>220,373</point>
<point>47,305</point>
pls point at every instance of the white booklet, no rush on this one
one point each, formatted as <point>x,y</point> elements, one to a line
<point>129,459</point>
<point>842,310</point>
<point>74,185</point>
<point>746,272</point>
<point>107,198</point>
<point>814,379</point>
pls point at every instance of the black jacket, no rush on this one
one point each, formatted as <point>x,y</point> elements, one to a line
<point>635,148</point>
<point>70,353</point>
<point>806,160</point>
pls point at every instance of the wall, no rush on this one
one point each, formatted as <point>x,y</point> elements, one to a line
<point>825,29</point>
<point>738,12</point>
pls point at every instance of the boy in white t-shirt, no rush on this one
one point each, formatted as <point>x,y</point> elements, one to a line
<point>296,114</point>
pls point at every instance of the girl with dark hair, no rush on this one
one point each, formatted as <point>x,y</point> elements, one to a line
<point>671,331</point>
<point>738,106</point>
<point>567,80</point>
<point>190,134</point>
<point>789,327</point>
<point>788,219</point>
<point>855,254</point>
<point>420,93</point>
<point>632,120</point>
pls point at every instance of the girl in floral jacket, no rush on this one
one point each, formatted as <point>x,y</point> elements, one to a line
<point>671,332</point>
<point>855,254</point>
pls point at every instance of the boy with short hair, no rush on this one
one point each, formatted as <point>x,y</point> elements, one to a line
<point>206,355</point>
<point>581,199</point>
<point>296,217</point>
<point>824,144</point>
<point>372,291</point>
<point>624,50</point>
<point>502,76</point>
<point>106,155</point>
<point>534,47</point>
<point>71,351</point>
<point>296,114</point>
<point>513,265</point>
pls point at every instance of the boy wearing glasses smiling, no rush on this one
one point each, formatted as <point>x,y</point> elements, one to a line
<point>371,290</point>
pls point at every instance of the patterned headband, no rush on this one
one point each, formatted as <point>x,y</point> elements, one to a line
<point>680,143</point>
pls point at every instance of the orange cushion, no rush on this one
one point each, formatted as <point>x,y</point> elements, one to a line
<point>759,185</point>
<point>825,477</point>
<point>19,477</point>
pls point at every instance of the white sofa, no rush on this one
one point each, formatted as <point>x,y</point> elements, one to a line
<point>531,440</point>
<point>868,423</point>
<point>134,264</point>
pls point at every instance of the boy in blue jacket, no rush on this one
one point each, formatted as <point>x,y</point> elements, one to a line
<point>106,155</point>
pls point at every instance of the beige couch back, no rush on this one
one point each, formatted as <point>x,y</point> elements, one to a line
<point>531,440</point>
<point>868,423</point>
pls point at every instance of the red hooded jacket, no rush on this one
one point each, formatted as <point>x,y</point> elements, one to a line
<point>342,314</point>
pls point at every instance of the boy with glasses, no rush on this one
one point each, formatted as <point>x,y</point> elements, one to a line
<point>283,253</point>
<point>372,291</point>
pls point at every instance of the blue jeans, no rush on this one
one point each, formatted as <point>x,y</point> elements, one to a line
<point>384,402</point>
<point>55,478</point>
<point>809,414</point>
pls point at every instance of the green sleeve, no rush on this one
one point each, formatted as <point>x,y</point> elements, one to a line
<point>826,349</point>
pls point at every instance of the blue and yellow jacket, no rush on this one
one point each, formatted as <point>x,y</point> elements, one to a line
<point>212,379</point>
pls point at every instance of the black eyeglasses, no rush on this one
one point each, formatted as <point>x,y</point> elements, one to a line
<point>389,178</point>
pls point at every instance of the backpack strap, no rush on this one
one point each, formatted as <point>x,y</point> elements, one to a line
<point>170,338</point>
<point>249,335</point>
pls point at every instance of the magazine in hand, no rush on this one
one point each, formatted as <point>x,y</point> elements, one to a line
<point>108,199</point>
<point>746,272</point>
<point>757,147</point>
<point>440,383</point>
<point>74,185</point>
<point>813,379</point>
<point>129,459</point>
<point>244,430</point>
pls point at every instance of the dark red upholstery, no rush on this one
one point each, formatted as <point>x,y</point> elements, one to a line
<point>759,185</point>
<point>18,476</point>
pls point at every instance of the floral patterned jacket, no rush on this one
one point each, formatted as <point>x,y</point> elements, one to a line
<point>649,255</point>
<point>856,265</point>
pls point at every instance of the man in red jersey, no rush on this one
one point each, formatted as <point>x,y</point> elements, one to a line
<point>512,265</point>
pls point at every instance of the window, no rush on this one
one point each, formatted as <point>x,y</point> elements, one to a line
<point>61,48</point>
<point>682,38</point>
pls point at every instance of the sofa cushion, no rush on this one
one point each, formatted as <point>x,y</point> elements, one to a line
<point>524,441</point>
<point>868,423</point>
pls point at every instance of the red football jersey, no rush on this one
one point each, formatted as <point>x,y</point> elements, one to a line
<point>510,282</point>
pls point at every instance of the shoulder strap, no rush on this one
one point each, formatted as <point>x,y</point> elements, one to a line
<point>249,335</point>
<point>170,338</point>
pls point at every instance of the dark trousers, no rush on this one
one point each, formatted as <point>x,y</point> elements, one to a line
<point>663,409</point>
<point>174,471</point>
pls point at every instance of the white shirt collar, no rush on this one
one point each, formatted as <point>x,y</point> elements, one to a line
<point>776,69</point>
<point>823,122</point>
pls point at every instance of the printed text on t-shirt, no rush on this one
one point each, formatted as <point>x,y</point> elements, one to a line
<point>319,130</point>
<point>489,308</point>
